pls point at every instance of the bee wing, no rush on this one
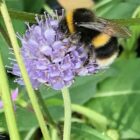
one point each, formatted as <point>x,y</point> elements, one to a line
<point>108,27</point>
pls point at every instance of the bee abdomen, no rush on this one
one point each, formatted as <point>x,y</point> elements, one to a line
<point>108,49</point>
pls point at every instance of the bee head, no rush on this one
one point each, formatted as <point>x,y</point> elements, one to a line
<point>83,15</point>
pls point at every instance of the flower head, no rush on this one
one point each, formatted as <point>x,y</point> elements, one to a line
<point>14,95</point>
<point>51,58</point>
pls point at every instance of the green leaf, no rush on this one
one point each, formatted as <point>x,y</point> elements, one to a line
<point>57,112</point>
<point>85,87</point>
<point>23,16</point>
<point>131,44</point>
<point>3,124</point>
<point>118,98</point>
<point>5,35</point>
<point>33,5</point>
<point>126,72</point>
<point>4,47</point>
<point>15,4</point>
<point>118,8</point>
<point>25,119</point>
<point>134,1</point>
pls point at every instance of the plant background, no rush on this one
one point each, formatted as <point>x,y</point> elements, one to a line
<point>115,92</point>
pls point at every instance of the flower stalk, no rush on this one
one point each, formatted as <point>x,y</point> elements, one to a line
<point>99,121</point>
<point>31,93</point>
<point>8,106</point>
<point>67,114</point>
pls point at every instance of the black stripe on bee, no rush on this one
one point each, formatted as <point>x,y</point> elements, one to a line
<point>108,49</point>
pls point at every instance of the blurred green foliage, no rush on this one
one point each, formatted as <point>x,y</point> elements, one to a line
<point>115,93</point>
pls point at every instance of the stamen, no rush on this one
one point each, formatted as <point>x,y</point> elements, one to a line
<point>52,14</point>
<point>12,53</point>
<point>12,59</point>
<point>19,36</point>
<point>1,136</point>
<point>41,17</point>
<point>36,18</point>
<point>10,49</point>
<point>28,25</point>
<point>17,80</point>
<point>45,14</point>
<point>9,71</point>
<point>48,16</point>
<point>63,13</point>
<point>48,21</point>
<point>9,67</point>
<point>12,63</point>
<point>57,16</point>
<point>39,21</point>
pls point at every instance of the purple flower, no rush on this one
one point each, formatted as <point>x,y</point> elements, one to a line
<point>14,95</point>
<point>51,58</point>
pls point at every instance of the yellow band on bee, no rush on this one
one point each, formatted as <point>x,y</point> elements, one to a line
<point>69,18</point>
<point>100,40</point>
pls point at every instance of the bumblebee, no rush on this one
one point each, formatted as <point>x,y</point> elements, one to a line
<point>101,34</point>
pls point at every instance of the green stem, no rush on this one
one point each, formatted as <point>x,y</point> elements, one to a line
<point>67,112</point>
<point>54,133</point>
<point>26,79</point>
<point>98,120</point>
<point>8,106</point>
<point>45,109</point>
